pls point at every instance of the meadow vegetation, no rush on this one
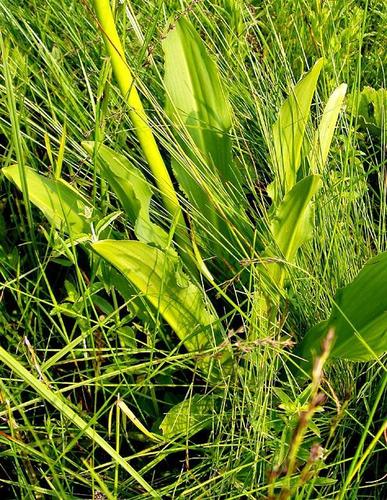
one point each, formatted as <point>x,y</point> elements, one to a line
<point>193,251</point>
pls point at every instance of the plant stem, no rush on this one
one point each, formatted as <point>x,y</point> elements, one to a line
<point>139,117</point>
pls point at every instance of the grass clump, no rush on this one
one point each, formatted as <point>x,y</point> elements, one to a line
<point>212,326</point>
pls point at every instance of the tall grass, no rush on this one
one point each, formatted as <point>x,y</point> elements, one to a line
<point>85,384</point>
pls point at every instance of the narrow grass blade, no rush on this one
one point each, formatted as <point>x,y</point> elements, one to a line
<point>59,402</point>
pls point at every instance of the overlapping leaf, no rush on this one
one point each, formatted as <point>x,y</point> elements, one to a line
<point>158,275</point>
<point>289,131</point>
<point>358,318</point>
<point>132,190</point>
<point>199,109</point>
<point>188,417</point>
<point>65,207</point>
<point>291,224</point>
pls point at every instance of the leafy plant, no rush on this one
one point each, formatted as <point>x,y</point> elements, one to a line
<point>168,262</point>
<point>204,113</point>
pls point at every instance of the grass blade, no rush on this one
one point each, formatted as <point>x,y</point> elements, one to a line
<point>61,405</point>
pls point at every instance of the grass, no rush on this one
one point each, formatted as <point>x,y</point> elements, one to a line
<point>85,382</point>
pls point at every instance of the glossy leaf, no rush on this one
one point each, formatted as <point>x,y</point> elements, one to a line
<point>324,134</point>
<point>188,417</point>
<point>199,109</point>
<point>65,207</point>
<point>291,224</point>
<point>289,131</point>
<point>132,190</point>
<point>158,275</point>
<point>358,318</point>
<point>195,98</point>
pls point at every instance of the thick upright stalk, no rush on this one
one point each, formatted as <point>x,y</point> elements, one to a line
<point>139,118</point>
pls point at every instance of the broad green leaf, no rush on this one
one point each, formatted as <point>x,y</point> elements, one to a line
<point>291,225</point>
<point>63,205</point>
<point>358,318</point>
<point>200,112</point>
<point>196,99</point>
<point>157,274</point>
<point>289,131</point>
<point>188,417</point>
<point>132,190</point>
<point>324,134</point>
<point>371,110</point>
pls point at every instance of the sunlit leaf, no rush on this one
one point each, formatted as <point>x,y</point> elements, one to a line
<point>291,223</point>
<point>195,98</point>
<point>158,275</point>
<point>65,207</point>
<point>358,318</point>
<point>289,131</point>
<point>324,134</point>
<point>198,106</point>
<point>132,190</point>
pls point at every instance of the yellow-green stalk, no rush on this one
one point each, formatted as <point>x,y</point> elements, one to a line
<point>139,118</point>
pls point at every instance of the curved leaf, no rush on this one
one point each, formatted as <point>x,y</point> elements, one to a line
<point>65,207</point>
<point>358,318</point>
<point>291,225</point>
<point>201,114</point>
<point>157,274</point>
<point>324,134</point>
<point>196,99</point>
<point>132,190</point>
<point>289,131</point>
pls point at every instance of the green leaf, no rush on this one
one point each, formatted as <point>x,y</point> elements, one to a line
<point>289,131</point>
<point>196,99</point>
<point>291,224</point>
<point>188,417</point>
<point>358,318</point>
<point>157,274</point>
<point>371,106</point>
<point>65,207</point>
<point>324,134</point>
<point>132,190</point>
<point>200,112</point>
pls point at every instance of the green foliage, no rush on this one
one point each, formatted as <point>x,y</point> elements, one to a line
<point>358,318</point>
<point>289,131</point>
<point>189,325</point>
<point>132,190</point>
<point>62,204</point>
<point>291,223</point>
<point>196,100</point>
<point>188,417</point>
<point>197,104</point>
<point>324,134</point>
<point>158,275</point>
<point>369,106</point>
